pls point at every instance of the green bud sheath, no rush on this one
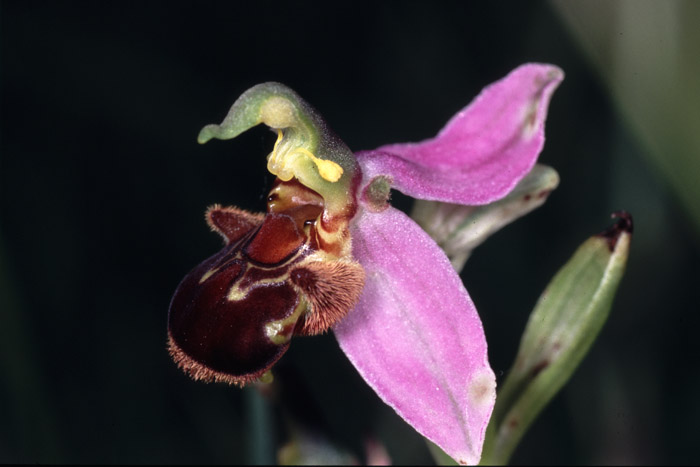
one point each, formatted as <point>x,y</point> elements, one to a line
<point>561,329</point>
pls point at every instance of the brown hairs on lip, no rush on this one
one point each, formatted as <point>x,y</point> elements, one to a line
<point>332,290</point>
<point>201,372</point>
<point>230,222</point>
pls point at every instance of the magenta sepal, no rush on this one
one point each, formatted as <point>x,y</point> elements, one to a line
<point>415,335</point>
<point>482,152</point>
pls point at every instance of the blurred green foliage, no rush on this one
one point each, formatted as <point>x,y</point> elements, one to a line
<point>646,53</point>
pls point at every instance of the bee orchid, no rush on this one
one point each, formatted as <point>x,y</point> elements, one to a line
<point>330,252</point>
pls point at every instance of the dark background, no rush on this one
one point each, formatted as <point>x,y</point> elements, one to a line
<point>103,189</point>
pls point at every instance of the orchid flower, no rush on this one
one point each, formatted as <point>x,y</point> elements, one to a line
<point>332,253</point>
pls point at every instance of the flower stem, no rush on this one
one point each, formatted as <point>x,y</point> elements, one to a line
<point>261,449</point>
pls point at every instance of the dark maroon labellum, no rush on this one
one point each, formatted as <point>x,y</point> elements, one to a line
<point>232,316</point>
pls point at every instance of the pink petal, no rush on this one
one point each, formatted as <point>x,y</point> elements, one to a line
<point>483,151</point>
<point>415,336</point>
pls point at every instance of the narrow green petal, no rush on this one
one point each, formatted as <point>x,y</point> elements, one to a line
<point>566,320</point>
<point>459,229</point>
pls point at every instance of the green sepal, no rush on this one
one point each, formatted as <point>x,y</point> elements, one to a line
<point>561,329</point>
